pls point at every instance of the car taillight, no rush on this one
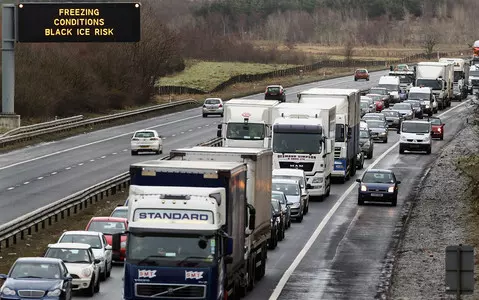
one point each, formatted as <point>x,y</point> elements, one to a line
<point>135,139</point>
<point>204,105</point>
<point>266,91</point>
<point>154,139</point>
<point>221,105</point>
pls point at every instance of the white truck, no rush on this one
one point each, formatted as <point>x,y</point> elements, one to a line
<point>439,76</point>
<point>303,137</point>
<point>247,123</point>
<point>392,84</point>
<point>348,116</point>
<point>473,78</point>
<point>461,76</point>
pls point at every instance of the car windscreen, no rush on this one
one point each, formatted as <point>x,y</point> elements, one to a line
<point>414,103</point>
<point>390,113</point>
<point>390,87</point>
<point>274,90</point>
<point>35,270</point>
<point>434,121</point>
<point>364,134</point>
<point>276,205</point>
<point>287,188</point>
<point>419,96</point>
<point>242,131</point>
<point>375,124</point>
<point>474,73</point>
<point>92,240</point>
<point>279,197</point>
<point>378,91</point>
<point>402,106</point>
<point>372,117</point>
<point>376,177</point>
<point>120,213</point>
<point>74,256</point>
<point>432,83</point>
<point>107,227</point>
<point>364,104</point>
<point>415,127</point>
<point>212,101</point>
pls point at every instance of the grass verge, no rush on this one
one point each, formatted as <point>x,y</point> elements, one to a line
<point>206,75</point>
<point>36,244</point>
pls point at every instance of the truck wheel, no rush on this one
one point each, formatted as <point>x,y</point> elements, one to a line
<point>261,270</point>
<point>360,201</point>
<point>370,155</point>
<point>91,289</point>
<point>252,273</point>
<point>428,151</point>
<point>401,150</point>
<point>394,202</point>
<point>300,218</point>
<point>97,286</point>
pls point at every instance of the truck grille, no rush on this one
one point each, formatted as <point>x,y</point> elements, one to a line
<point>337,152</point>
<point>307,167</point>
<point>31,294</point>
<point>171,291</point>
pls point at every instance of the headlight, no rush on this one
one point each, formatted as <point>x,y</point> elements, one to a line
<point>439,130</point>
<point>8,292</point>
<point>54,293</point>
<point>317,179</point>
<point>123,244</point>
<point>427,106</point>
<point>86,272</point>
<point>363,188</point>
<point>391,189</point>
<point>382,133</point>
<point>426,139</point>
<point>296,205</point>
<point>403,138</point>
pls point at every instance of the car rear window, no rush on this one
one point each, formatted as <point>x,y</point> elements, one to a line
<point>273,90</point>
<point>145,134</point>
<point>361,71</point>
<point>92,240</point>
<point>212,101</point>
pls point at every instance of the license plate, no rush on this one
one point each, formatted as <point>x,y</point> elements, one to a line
<point>376,195</point>
<point>144,146</point>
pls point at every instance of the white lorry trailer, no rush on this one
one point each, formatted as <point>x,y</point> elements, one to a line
<point>439,76</point>
<point>303,136</point>
<point>348,116</point>
<point>461,76</point>
<point>247,123</point>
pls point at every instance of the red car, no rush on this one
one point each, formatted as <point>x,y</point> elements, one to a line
<point>361,74</point>
<point>437,127</point>
<point>379,105</point>
<point>109,226</point>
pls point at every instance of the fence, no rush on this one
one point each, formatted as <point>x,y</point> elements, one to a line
<point>296,71</point>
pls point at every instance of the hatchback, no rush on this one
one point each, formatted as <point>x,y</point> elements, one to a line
<point>275,92</point>
<point>213,106</point>
<point>146,141</point>
<point>361,74</point>
<point>378,185</point>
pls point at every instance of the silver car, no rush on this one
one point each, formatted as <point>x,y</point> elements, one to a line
<point>405,109</point>
<point>393,117</point>
<point>375,116</point>
<point>213,106</point>
<point>366,143</point>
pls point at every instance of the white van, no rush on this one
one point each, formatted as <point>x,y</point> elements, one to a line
<point>297,174</point>
<point>415,136</point>
<point>392,84</point>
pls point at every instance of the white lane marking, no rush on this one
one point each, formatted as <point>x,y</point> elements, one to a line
<point>68,168</point>
<point>284,279</point>
<point>26,182</point>
<point>207,125</point>
<point>182,132</point>
<point>53,173</point>
<point>80,164</point>
<point>114,153</point>
<point>92,143</point>
<point>190,129</point>
<point>11,188</point>
<point>92,160</point>
<point>39,178</point>
<point>173,135</point>
<point>124,150</point>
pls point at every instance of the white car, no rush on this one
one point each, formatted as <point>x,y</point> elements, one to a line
<point>120,212</point>
<point>213,106</point>
<point>146,141</point>
<point>99,246</point>
<point>81,265</point>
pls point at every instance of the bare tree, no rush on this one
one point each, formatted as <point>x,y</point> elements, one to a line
<point>430,39</point>
<point>348,51</point>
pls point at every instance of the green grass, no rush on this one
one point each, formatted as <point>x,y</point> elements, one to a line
<point>206,75</point>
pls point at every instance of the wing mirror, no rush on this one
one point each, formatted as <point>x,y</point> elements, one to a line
<point>290,203</point>
<point>252,217</point>
<point>108,247</point>
<point>97,261</point>
<point>116,241</point>
<point>218,133</point>
<point>358,180</point>
<point>3,276</point>
<point>398,181</point>
<point>68,277</point>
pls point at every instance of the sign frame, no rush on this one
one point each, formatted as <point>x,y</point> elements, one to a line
<point>459,267</point>
<point>78,22</point>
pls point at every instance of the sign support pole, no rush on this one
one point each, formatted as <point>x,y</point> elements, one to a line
<point>459,269</point>
<point>8,118</point>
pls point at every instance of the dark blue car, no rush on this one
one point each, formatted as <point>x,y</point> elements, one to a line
<point>379,186</point>
<point>37,278</point>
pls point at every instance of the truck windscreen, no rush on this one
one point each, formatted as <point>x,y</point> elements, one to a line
<point>340,134</point>
<point>432,83</point>
<point>297,142</point>
<point>242,131</point>
<point>170,250</point>
<point>457,75</point>
<point>390,87</point>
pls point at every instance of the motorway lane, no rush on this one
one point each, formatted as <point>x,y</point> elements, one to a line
<point>335,267</point>
<point>35,176</point>
<point>345,261</point>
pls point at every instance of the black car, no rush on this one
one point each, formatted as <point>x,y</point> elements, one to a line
<point>285,206</point>
<point>393,117</point>
<point>37,277</point>
<point>275,92</point>
<point>278,212</point>
<point>378,185</point>
<point>273,240</point>
<point>418,109</point>
<point>378,130</point>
